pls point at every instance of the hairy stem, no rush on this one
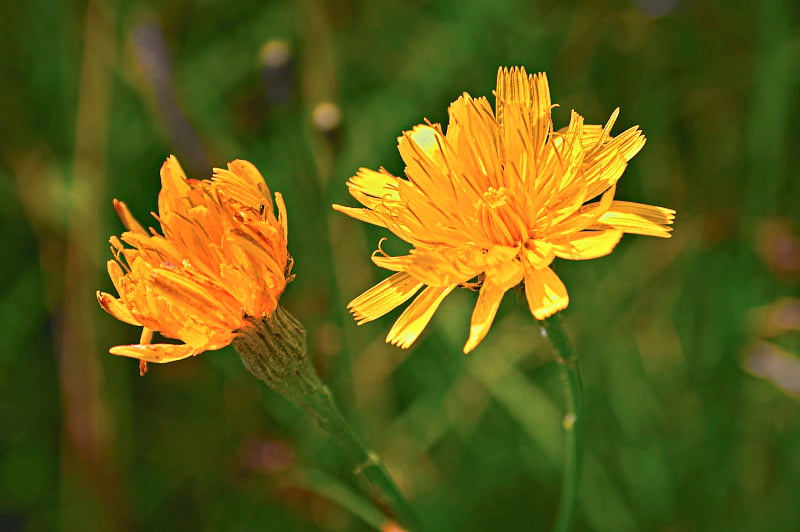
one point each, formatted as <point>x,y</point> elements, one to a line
<point>274,351</point>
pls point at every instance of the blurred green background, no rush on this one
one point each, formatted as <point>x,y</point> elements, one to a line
<point>688,346</point>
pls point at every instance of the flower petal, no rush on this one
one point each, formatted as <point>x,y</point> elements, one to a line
<point>444,266</point>
<point>158,353</point>
<point>413,320</point>
<point>637,218</point>
<point>127,218</point>
<point>474,136</point>
<point>589,245</point>
<point>545,292</point>
<point>515,86</point>
<point>175,190</point>
<point>539,253</point>
<point>365,215</point>
<point>427,156</point>
<point>116,308</point>
<point>383,297</point>
<point>485,310</point>
<point>370,187</point>
<point>604,165</point>
<point>249,181</point>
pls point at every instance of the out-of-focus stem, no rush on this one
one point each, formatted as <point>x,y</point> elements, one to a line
<point>573,420</point>
<point>91,479</point>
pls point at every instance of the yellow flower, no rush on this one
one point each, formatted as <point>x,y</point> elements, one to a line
<point>490,204</point>
<point>222,260</point>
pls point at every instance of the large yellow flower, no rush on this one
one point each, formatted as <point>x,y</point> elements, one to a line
<point>492,202</point>
<point>222,260</point>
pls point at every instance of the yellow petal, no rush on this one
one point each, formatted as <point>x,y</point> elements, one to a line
<point>387,262</point>
<point>383,297</point>
<point>515,86</point>
<point>545,292</point>
<point>539,253</point>
<point>588,245</point>
<point>604,165</point>
<point>474,136</point>
<point>425,152</point>
<point>444,266</point>
<point>365,215</point>
<point>637,218</point>
<point>583,217</point>
<point>502,267</point>
<point>413,320</point>
<point>158,353</point>
<point>489,299</point>
<point>377,185</point>
<point>116,308</point>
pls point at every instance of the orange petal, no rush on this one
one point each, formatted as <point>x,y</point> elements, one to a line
<point>545,292</point>
<point>413,320</point>
<point>383,297</point>
<point>116,308</point>
<point>283,219</point>
<point>174,187</point>
<point>127,218</point>
<point>589,245</point>
<point>213,303</point>
<point>254,179</point>
<point>158,353</point>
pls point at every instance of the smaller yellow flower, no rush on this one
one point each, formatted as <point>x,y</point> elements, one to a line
<point>222,260</point>
<point>491,203</point>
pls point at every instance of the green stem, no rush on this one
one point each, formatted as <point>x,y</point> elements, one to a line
<point>274,351</point>
<point>573,420</point>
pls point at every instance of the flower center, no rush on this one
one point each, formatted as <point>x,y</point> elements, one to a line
<point>496,197</point>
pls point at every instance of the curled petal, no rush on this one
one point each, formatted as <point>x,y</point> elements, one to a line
<point>116,308</point>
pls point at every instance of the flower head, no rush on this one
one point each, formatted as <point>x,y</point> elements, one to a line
<point>492,201</point>
<point>221,261</point>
